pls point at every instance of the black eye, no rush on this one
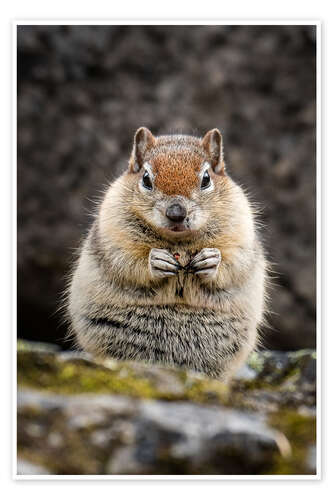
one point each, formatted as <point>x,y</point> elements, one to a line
<point>146,181</point>
<point>205,183</point>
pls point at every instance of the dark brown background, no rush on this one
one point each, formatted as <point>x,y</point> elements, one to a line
<point>82,92</point>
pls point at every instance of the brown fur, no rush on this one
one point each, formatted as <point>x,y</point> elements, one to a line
<point>176,164</point>
<point>174,176</point>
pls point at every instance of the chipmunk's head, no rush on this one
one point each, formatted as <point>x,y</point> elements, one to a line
<point>175,180</point>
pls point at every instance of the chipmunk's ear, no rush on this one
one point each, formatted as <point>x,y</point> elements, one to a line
<point>213,145</point>
<point>143,140</point>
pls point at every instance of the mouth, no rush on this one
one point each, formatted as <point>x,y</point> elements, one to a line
<point>178,229</point>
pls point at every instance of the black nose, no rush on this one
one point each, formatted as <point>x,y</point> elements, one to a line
<point>176,212</point>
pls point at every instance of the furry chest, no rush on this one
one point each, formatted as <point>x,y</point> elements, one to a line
<point>196,339</point>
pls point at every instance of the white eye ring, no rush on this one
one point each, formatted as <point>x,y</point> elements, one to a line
<point>147,170</point>
<point>147,181</point>
<point>205,180</point>
<point>210,186</point>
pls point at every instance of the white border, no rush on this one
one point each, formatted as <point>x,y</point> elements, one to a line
<point>319,200</point>
<point>14,241</point>
<point>163,22</point>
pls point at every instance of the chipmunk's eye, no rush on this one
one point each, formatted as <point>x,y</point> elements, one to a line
<point>146,181</point>
<point>205,182</point>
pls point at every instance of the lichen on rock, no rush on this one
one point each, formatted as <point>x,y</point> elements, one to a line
<point>80,416</point>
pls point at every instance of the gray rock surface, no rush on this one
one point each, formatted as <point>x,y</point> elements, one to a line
<point>24,468</point>
<point>83,91</point>
<point>151,437</point>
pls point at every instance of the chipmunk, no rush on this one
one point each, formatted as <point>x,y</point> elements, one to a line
<point>172,271</point>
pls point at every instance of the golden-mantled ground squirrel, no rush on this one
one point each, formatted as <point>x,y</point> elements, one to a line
<point>172,271</point>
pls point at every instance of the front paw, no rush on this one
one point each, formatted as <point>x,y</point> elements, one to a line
<point>162,263</point>
<point>206,263</point>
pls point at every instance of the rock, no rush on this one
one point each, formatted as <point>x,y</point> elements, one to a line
<point>147,437</point>
<point>184,438</point>
<point>96,84</point>
<point>292,373</point>
<point>277,366</point>
<point>25,345</point>
<point>76,416</point>
<point>24,467</point>
<point>311,460</point>
<point>246,373</point>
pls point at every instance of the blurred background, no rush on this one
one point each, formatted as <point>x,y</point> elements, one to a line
<point>84,90</point>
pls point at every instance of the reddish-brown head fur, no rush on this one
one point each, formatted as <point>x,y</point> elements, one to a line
<point>176,173</point>
<point>176,160</point>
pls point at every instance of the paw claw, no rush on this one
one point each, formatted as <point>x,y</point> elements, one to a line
<point>205,264</point>
<point>162,263</point>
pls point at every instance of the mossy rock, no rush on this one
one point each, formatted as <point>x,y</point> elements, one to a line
<point>51,372</point>
<point>279,393</point>
<point>300,429</point>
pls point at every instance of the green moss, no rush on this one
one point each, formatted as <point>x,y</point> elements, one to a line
<point>300,430</point>
<point>46,372</point>
<point>207,391</point>
<point>302,353</point>
<point>256,362</point>
<point>26,345</point>
<point>72,377</point>
<point>270,377</point>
